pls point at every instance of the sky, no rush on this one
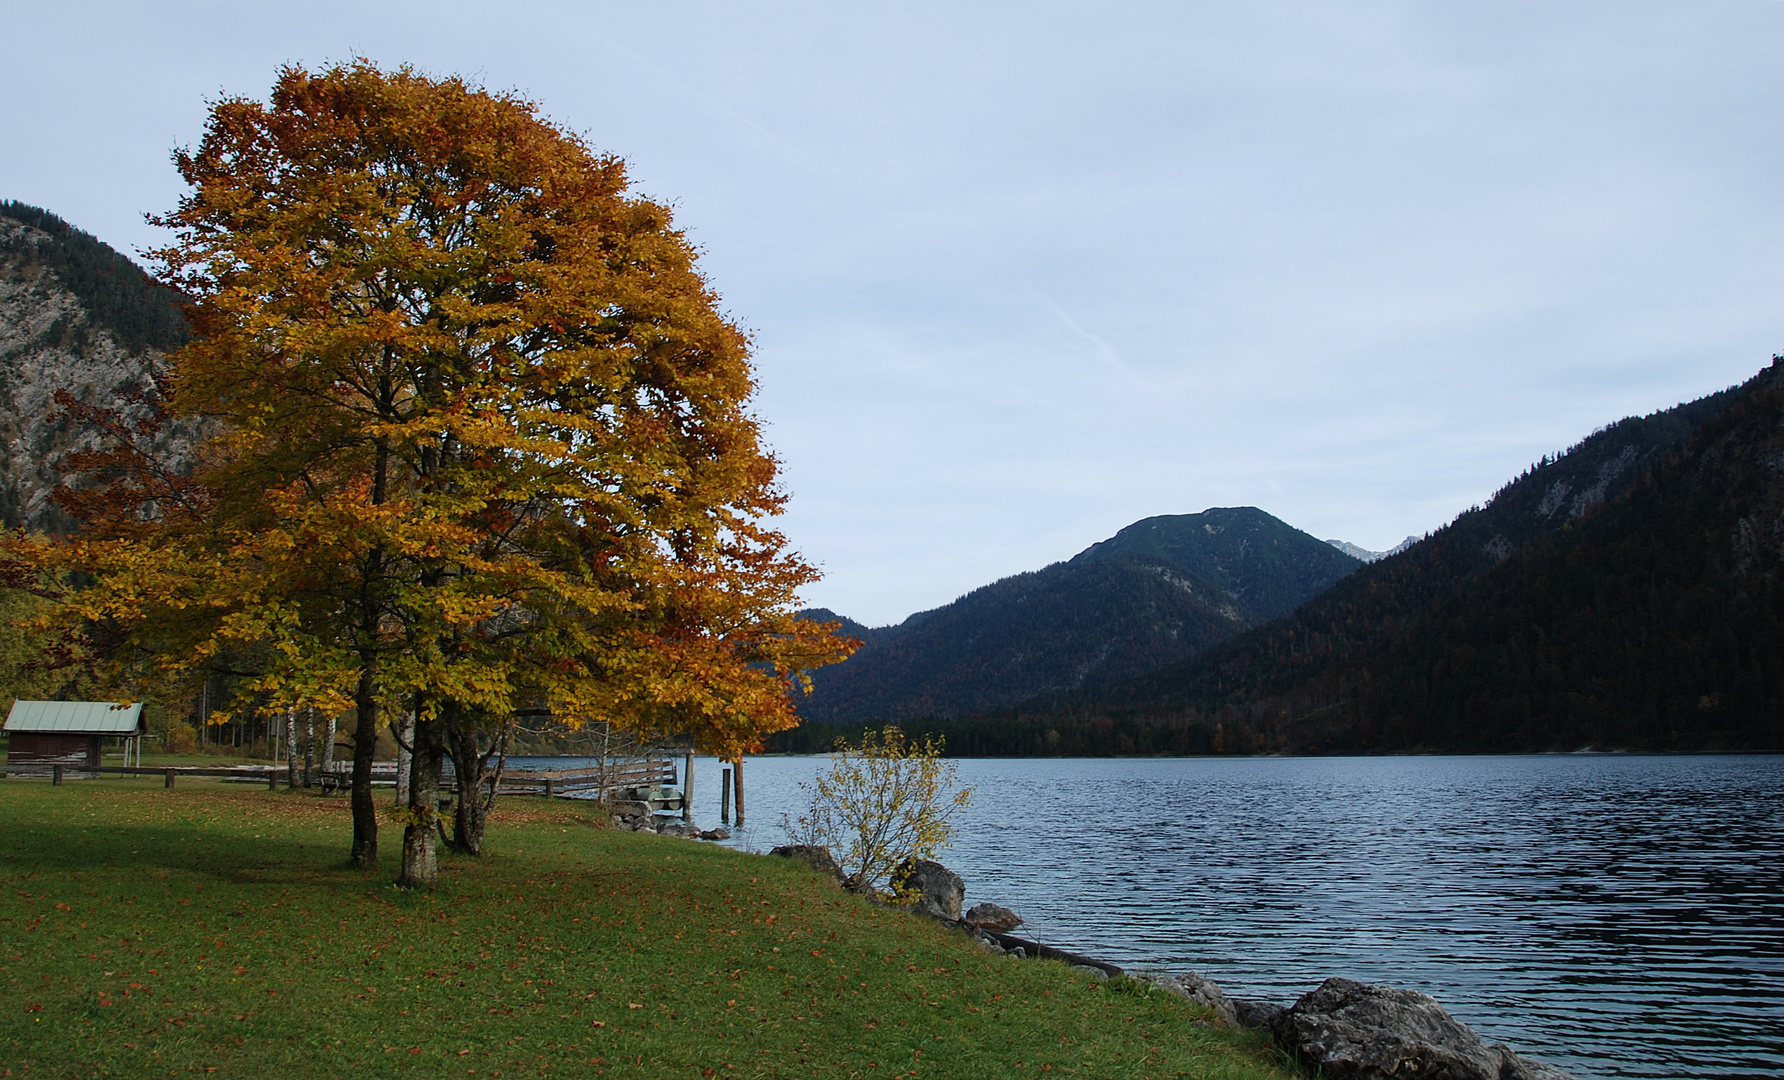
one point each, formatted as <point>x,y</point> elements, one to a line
<point>1021,274</point>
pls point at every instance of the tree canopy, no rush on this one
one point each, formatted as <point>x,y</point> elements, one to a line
<point>479,434</point>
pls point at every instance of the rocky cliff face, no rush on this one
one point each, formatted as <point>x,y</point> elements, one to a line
<point>54,338</point>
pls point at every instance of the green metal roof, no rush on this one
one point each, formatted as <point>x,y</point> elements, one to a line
<point>76,717</point>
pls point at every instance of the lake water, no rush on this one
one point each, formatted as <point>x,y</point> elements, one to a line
<point>1618,916</point>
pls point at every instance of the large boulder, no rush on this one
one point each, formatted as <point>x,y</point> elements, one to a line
<point>813,855</point>
<point>1350,1031</point>
<point>932,888</point>
<point>992,917</point>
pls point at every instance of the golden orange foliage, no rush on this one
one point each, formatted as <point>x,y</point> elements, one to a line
<point>477,433</point>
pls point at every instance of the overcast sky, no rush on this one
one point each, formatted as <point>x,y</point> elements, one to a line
<point>1021,274</point>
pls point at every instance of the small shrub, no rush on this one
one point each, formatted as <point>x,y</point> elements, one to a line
<point>888,799</point>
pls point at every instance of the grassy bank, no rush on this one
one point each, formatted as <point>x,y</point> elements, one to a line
<point>214,930</point>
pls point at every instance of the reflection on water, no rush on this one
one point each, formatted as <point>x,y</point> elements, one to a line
<point>1616,915</point>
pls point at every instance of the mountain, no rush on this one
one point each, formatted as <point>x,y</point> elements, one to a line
<point>1363,554</point>
<point>75,315</point>
<point>1627,594</point>
<point>846,626</point>
<point>1157,591</point>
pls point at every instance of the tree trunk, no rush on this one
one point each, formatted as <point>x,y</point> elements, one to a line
<point>405,738</point>
<point>309,744</point>
<point>290,748</point>
<point>328,747</point>
<point>365,751</point>
<point>470,764</point>
<point>421,865</point>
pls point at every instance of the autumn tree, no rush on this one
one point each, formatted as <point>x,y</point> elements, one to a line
<point>479,437</point>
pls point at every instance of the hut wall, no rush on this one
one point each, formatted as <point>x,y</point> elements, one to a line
<point>52,748</point>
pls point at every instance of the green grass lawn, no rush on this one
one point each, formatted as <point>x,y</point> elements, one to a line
<point>215,930</point>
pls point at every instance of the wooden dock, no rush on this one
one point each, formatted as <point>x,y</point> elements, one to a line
<point>595,782</point>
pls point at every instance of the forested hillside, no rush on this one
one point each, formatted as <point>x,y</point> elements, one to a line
<point>1625,595</point>
<point>114,294</point>
<point>1156,592</point>
<point>77,316</point>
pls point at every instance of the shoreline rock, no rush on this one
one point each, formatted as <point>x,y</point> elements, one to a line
<point>815,856</point>
<point>1191,986</point>
<point>1355,1031</point>
<point>636,815</point>
<point>993,917</point>
<point>936,891</point>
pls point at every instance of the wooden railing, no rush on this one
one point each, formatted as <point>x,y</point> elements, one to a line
<point>595,780</point>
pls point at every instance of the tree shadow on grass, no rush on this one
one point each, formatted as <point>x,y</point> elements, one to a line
<point>58,847</point>
<point>146,853</point>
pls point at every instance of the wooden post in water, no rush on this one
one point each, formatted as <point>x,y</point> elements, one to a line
<point>687,789</point>
<point>739,777</point>
<point>725,797</point>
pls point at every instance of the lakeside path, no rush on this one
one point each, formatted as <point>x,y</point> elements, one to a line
<point>217,931</point>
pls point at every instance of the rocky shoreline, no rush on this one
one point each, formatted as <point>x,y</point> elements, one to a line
<point>1342,1029</point>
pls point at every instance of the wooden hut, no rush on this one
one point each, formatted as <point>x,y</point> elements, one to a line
<point>70,733</point>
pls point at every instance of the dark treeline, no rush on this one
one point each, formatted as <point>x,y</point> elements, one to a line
<point>1012,733</point>
<point>117,295</point>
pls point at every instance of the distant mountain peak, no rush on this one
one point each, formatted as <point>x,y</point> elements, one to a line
<point>1156,592</point>
<point>1365,555</point>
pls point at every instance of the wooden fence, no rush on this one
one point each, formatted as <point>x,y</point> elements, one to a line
<point>247,774</point>
<point>595,781</point>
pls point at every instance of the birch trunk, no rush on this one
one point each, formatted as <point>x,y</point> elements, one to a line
<point>291,749</point>
<point>309,744</point>
<point>405,738</point>
<point>421,865</point>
